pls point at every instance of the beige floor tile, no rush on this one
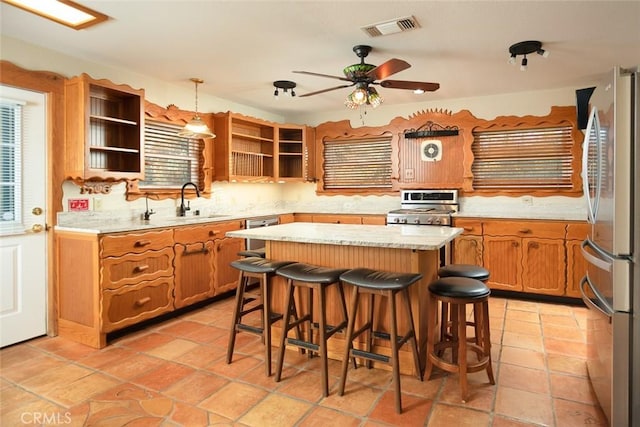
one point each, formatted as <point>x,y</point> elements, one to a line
<point>414,410</point>
<point>523,315</point>
<point>196,387</point>
<point>447,416</point>
<point>172,349</point>
<point>574,414</point>
<point>523,357</point>
<point>323,417</point>
<point>569,365</point>
<point>514,339</point>
<point>522,378</point>
<point>233,400</point>
<point>275,411</point>
<point>571,388</point>
<point>522,327</point>
<point>524,406</point>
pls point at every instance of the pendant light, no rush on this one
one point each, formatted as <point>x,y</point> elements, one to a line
<point>196,128</point>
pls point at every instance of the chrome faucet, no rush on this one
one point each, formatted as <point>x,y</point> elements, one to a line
<point>147,213</point>
<point>182,210</point>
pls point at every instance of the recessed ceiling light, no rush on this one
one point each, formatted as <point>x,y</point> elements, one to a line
<point>64,12</point>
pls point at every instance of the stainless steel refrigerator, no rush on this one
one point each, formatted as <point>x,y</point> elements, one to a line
<point>610,287</point>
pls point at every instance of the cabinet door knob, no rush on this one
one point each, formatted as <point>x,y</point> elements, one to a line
<point>525,230</point>
<point>534,245</point>
<point>141,243</point>
<point>142,301</point>
<point>467,228</point>
<point>140,268</point>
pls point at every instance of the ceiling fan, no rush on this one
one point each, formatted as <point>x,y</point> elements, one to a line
<point>363,76</point>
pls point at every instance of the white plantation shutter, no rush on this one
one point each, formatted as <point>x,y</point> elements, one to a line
<point>363,163</point>
<point>170,160</point>
<point>10,161</point>
<point>523,159</point>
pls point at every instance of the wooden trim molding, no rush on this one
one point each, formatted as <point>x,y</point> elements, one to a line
<point>172,114</point>
<point>51,84</point>
<point>455,168</point>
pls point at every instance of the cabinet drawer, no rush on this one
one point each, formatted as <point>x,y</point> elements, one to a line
<point>202,233</point>
<point>549,230</point>
<point>338,219</point>
<point>120,244</point>
<point>133,268</point>
<point>132,304</point>
<point>472,227</point>
<point>578,231</point>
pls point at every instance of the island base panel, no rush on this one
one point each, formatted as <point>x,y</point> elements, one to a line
<point>388,259</point>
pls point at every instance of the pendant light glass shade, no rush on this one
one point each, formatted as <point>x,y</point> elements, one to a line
<point>196,128</point>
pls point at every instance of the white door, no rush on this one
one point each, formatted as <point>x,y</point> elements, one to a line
<point>23,277</point>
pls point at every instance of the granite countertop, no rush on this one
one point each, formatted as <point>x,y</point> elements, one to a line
<point>384,236</point>
<point>102,225</point>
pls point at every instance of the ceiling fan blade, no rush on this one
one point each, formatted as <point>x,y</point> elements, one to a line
<point>323,75</point>
<point>388,68</point>
<point>404,84</point>
<point>325,90</point>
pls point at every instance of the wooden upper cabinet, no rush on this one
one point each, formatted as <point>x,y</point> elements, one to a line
<point>104,130</point>
<point>254,150</point>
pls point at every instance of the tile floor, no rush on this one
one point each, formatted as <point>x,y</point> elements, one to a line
<point>174,374</point>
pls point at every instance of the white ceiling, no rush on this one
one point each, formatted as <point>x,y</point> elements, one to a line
<point>240,47</point>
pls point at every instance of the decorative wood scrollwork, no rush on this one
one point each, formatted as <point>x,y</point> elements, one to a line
<point>95,187</point>
<point>431,129</point>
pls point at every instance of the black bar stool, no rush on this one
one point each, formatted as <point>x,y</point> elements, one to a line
<point>248,301</point>
<point>460,270</point>
<point>260,253</point>
<point>457,292</point>
<point>316,279</point>
<point>385,284</point>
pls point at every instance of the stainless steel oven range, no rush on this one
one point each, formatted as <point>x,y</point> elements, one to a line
<point>426,208</point>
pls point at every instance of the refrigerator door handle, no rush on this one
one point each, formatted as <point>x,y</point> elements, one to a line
<point>598,261</point>
<point>600,305</point>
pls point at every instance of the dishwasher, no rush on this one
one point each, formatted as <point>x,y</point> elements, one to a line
<point>265,221</point>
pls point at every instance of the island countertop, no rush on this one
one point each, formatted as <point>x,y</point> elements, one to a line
<point>382,236</point>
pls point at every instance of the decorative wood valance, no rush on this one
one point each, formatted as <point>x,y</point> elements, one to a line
<point>455,135</point>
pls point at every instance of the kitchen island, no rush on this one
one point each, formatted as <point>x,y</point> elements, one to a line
<point>401,248</point>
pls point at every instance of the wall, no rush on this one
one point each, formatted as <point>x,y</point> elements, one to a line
<point>301,197</point>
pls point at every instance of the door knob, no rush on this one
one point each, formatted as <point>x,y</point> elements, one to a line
<point>35,228</point>
<point>36,211</point>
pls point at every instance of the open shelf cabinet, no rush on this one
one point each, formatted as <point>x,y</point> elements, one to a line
<point>254,150</point>
<point>104,130</point>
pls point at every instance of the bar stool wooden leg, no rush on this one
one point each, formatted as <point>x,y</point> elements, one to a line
<point>462,350</point>
<point>285,328</point>
<point>355,296</point>
<point>395,363</point>
<point>242,283</point>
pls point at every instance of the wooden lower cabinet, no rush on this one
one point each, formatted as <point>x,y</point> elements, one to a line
<point>111,281</point>
<point>129,305</point>
<point>225,277</point>
<point>525,256</point>
<point>467,248</point>
<point>194,272</point>
<point>108,282</point>
<point>203,254</point>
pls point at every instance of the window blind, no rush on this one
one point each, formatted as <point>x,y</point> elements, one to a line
<point>358,163</point>
<point>10,161</point>
<point>170,160</point>
<point>524,159</point>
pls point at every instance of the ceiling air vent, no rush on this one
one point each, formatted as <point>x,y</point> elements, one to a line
<point>393,26</point>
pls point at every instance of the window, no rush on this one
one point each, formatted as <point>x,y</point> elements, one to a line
<point>363,163</point>
<point>170,160</point>
<point>527,159</point>
<point>10,161</point>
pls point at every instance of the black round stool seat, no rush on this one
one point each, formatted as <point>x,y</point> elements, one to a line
<point>459,287</point>
<point>261,253</point>
<point>376,279</point>
<point>311,273</point>
<point>464,270</point>
<point>258,265</point>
